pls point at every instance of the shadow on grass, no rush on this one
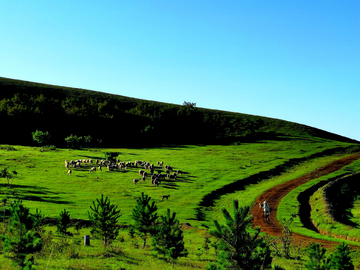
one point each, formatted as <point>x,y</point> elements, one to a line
<point>33,193</point>
<point>305,208</point>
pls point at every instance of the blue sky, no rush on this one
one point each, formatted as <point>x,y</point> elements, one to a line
<point>292,60</point>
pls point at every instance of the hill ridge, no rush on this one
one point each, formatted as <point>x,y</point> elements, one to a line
<point>131,122</point>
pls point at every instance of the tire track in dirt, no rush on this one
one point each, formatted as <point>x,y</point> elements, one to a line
<point>274,195</point>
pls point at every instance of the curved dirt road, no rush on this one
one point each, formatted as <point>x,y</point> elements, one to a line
<point>274,195</point>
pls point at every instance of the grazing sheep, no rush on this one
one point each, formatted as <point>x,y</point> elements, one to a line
<point>141,172</point>
<point>136,180</point>
<point>69,172</point>
<point>156,182</point>
<point>93,169</point>
<point>99,168</point>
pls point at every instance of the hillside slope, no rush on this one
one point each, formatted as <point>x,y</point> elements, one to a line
<point>119,121</point>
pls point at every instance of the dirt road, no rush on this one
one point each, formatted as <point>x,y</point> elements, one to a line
<point>274,195</point>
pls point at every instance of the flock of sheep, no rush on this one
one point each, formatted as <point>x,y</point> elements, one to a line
<point>147,169</point>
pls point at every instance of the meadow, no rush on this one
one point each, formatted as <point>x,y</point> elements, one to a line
<point>213,175</point>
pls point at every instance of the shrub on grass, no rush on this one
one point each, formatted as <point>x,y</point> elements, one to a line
<point>63,222</point>
<point>317,259</point>
<point>341,259</point>
<point>20,239</point>
<point>41,137</point>
<point>238,248</point>
<point>39,220</point>
<point>169,239</point>
<point>103,218</point>
<point>8,148</point>
<point>144,214</point>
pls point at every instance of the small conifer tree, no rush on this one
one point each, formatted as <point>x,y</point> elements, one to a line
<point>21,240</point>
<point>104,217</point>
<point>238,248</point>
<point>317,259</point>
<point>63,222</point>
<point>341,259</point>
<point>168,239</point>
<point>144,214</point>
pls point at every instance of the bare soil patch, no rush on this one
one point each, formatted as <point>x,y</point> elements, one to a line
<point>274,195</point>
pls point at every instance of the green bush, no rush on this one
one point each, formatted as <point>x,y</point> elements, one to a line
<point>341,259</point>
<point>63,222</point>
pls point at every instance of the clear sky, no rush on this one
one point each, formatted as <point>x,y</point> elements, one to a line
<point>295,60</point>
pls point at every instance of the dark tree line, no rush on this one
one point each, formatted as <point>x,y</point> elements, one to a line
<point>340,196</point>
<point>124,123</point>
<point>26,106</point>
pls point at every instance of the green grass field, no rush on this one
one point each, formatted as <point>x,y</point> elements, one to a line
<point>213,176</point>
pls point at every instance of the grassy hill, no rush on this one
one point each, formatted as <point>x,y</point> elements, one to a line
<point>223,156</point>
<point>120,121</point>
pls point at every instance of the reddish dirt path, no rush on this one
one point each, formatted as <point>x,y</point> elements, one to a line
<point>274,195</point>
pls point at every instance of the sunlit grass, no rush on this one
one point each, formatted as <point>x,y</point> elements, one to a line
<point>42,182</point>
<point>289,206</point>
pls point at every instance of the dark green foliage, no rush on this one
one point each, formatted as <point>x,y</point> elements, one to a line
<point>104,217</point>
<point>206,244</point>
<point>285,239</point>
<point>238,248</point>
<point>340,195</point>
<point>73,141</point>
<point>47,107</point>
<point>88,140</point>
<point>4,173</point>
<point>144,214</point>
<point>63,222</point>
<point>111,156</point>
<point>21,240</point>
<point>21,215</point>
<point>317,259</point>
<point>340,259</point>
<point>4,200</point>
<point>39,220</point>
<point>41,137</point>
<point>168,239</point>
<point>78,226</point>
